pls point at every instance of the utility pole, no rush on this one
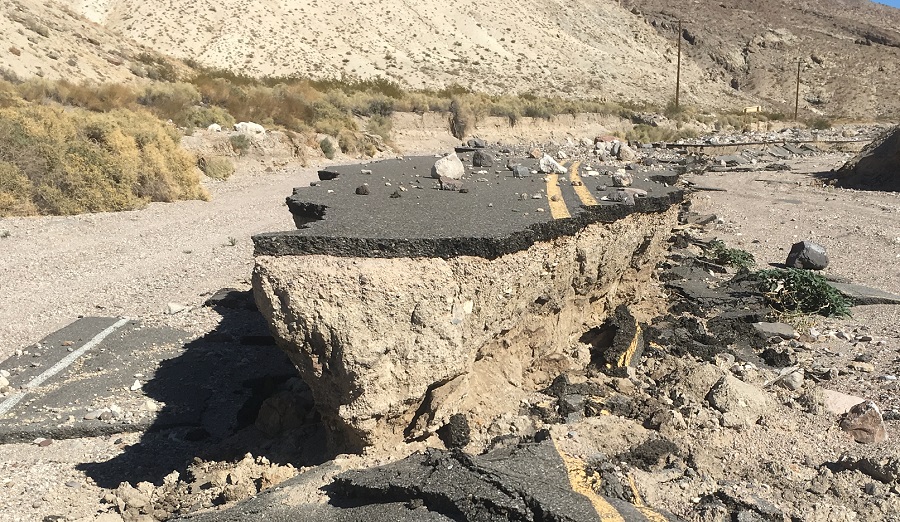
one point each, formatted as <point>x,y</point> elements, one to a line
<point>678,72</point>
<point>797,97</point>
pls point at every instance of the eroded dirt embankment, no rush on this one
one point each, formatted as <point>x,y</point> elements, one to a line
<point>392,347</point>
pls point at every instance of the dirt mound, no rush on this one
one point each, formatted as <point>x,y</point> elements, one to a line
<point>877,167</point>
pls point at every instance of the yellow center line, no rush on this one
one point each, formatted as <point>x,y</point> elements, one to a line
<point>558,207</point>
<point>583,193</point>
<point>581,484</point>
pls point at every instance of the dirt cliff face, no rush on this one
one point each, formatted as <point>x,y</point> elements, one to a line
<point>392,347</point>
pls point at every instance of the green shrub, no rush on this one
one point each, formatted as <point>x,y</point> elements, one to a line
<point>216,167</point>
<point>240,143</point>
<point>720,253</point>
<point>796,291</point>
<point>327,148</point>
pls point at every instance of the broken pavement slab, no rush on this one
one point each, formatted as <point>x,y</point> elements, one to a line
<point>864,295</point>
<point>103,375</point>
<point>497,214</point>
<point>526,481</point>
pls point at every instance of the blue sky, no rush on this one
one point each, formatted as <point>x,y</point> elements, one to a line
<point>893,3</point>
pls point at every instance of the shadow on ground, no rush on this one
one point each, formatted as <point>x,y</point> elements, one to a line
<point>210,398</point>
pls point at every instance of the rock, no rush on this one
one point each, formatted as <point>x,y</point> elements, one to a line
<point>880,463</point>
<point>214,127</point>
<point>520,172</point>
<point>175,308</point>
<point>782,330</point>
<point>778,357</point>
<point>622,196</point>
<point>455,434</point>
<point>93,415</point>
<point>248,127</point>
<point>862,366</point>
<point>482,158</point>
<point>449,166</point>
<point>548,165</point>
<point>865,423</point>
<point>839,403</point>
<point>808,255</point>
<point>792,381</point>
<point>535,154</point>
<point>626,153</point>
<point>451,184</point>
<point>741,404</point>
<point>4,382</point>
<point>622,178</point>
<point>131,496</point>
<point>279,413</point>
<point>362,190</point>
<point>695,383</point>
<point>477,143</point>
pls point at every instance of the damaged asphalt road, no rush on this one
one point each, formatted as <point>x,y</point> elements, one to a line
<point>525,481</point>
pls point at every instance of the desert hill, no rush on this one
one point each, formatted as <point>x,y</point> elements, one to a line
<point>50,40</point>
<point>849,50</point>
<point>736,53</point>
<point>581,48</point>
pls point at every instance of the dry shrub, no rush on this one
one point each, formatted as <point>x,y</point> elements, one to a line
<point>462,118</point>
<point>216,167</point>
<point>77,161</point>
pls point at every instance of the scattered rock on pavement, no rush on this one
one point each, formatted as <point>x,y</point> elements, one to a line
<point>548,165</point>
<point>482,158</point>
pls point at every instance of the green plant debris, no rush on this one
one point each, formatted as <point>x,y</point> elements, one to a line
<point>720,253</point>
<point>797,291</point>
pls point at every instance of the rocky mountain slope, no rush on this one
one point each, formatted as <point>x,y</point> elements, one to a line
<point>848,50</point>
<point>47,39</point>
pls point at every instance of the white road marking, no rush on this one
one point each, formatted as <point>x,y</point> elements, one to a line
<point>14,399</point>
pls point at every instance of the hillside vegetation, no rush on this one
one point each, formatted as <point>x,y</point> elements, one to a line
<point>56,160</point>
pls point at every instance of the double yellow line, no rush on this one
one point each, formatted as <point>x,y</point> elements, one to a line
<point>558,208</point>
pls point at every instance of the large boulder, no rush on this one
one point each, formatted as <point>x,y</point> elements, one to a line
<point>450,166</point>
<point>877,167</point>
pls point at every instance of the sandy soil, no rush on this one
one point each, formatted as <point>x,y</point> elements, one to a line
<point>133,264</point>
